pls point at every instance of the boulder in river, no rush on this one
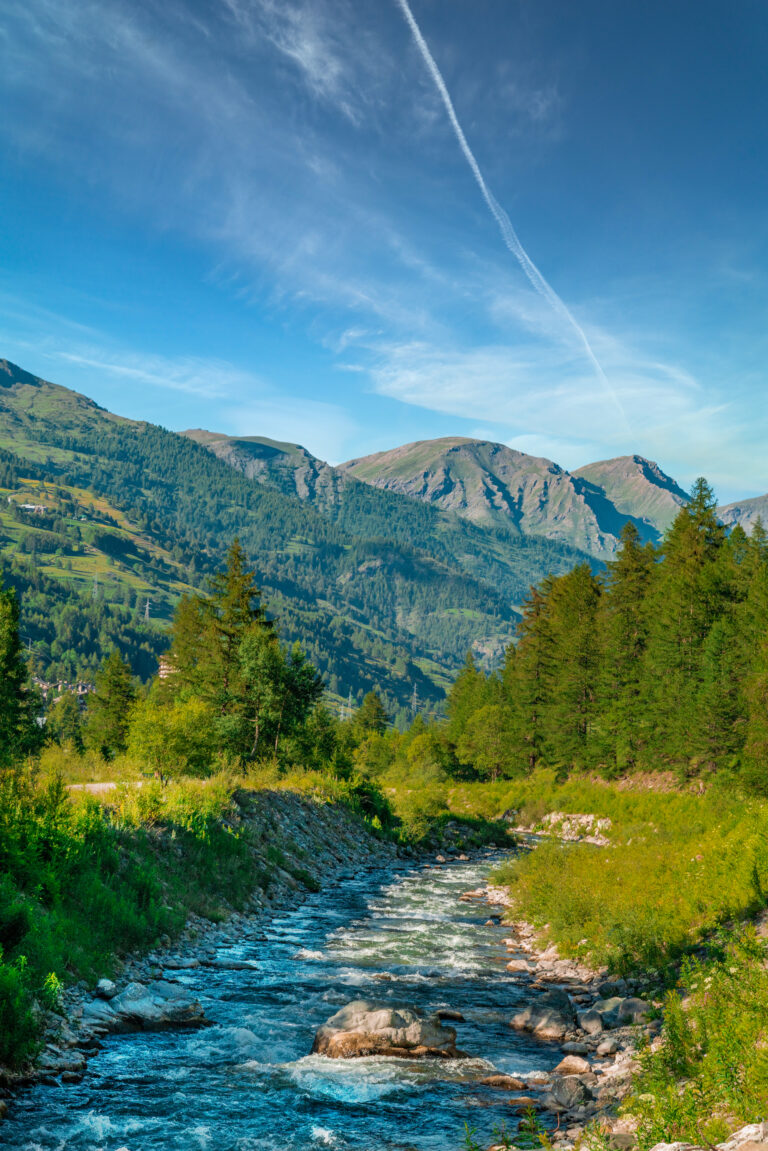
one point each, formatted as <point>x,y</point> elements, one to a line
<point>141,1008</point>
<point>365,1027</point>
<point>549,1016</point>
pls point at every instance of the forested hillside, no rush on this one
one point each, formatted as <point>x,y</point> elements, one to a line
<point>659,663</point>
<point>383,591</point>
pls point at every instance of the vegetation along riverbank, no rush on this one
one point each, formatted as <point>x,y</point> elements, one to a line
<point>635,920</point>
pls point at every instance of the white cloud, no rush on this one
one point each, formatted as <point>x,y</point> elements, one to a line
<point>543,399</point>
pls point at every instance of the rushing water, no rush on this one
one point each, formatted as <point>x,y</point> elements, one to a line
<point>248,1083</point>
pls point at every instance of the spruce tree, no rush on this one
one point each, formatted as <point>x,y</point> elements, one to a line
<point>465,696</point>
<point>371,717</point>
<point>624,626</point>
<point>571,702</point>
<point>109,707</point>
<point>19,733</point>
<point>688,596</point>
<point>528,676</point>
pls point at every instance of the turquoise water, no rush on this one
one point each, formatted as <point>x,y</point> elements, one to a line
<point>249,1083</point>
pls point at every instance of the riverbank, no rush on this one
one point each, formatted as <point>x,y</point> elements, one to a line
<point>172,871</point>
<point>393,934</point>
<point>662,895</point>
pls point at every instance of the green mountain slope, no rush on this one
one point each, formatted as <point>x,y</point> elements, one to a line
<point>492,484</point>
<point>382,590</point>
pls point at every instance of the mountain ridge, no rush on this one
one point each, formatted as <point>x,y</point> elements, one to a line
<point>489,482</point>
<point>384,592</point>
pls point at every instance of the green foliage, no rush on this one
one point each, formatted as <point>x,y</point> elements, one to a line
<point>109,707</point>
<point>18,732</point>
<point>660,663</point>
<point>18,1027</point>
<point>710,1075</point>
<point>173,739</point>
<point>371,717</point>
<point>679,866</point>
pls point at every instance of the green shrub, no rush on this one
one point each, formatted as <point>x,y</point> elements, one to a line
<point>18,1027</point>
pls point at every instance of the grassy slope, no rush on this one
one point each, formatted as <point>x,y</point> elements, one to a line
<point>672,897</point>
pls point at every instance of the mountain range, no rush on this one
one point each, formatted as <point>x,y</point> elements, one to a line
<point>387,568</point>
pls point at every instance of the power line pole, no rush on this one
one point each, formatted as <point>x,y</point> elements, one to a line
<point>146,610</point>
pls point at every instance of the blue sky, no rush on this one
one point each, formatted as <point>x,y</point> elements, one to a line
<point>254,216</point>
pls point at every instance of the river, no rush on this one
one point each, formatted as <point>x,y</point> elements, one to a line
<point>249,1083</point>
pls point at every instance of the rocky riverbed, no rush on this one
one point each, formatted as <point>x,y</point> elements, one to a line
<point>433,1012</point>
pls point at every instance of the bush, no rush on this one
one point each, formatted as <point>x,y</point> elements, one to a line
<point>710,1074</point>
<point>18,1027</point>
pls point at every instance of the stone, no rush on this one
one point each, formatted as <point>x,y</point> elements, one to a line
<point>590,1021</point>
<point>106,989</point>
<point>141,1008</point>
<point>612,987</point>
<point>574,1048</point>
<point>572,1065</point>
<point>549,1016</point>
<point>503,1082</point>
<point>520,965</point>
<point>449,1013</point>
<point>622,1141</point>
<point>365,1027</point>
<point>634,1010</point>
<point>523,1102</point>
<point>566,1094</point>
<point>607,1047</point>
<point>72,1077</point>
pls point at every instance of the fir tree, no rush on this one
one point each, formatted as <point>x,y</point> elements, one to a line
<point>371,716</point>
<point>109,707</point>
<point>624,626</point>
<point>19,733</point>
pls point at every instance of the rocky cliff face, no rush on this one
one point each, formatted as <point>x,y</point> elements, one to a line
<point>493,484</point>
<point>746,513</point>
<point>288,467</point>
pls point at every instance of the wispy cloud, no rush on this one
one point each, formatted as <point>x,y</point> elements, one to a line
<point>537,280</point>
<point>540,399</point>
<point>212,379</point>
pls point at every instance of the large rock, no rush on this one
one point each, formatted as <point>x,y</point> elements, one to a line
<point>619,1012</point>
<point>573,1065</point>
<point>590,1021</point>
<point>364,1028</point>
<point>140,1008</point>
<point>565,1094</point>
<point>549,1016</point>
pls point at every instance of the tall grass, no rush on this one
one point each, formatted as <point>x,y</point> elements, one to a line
<point>678,867</point>
<point>710,1074</point>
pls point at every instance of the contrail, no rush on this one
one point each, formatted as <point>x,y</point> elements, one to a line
<point>508,233</point>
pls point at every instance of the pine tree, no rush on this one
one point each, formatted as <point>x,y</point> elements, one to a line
<point>371,716</point>
<point>109,707</point>
<point>624,626</point>
<point>688,597</point>
<point>464,698</point>
<point>528,675</point>
<point>19,733</point>
<point>572,690</point>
